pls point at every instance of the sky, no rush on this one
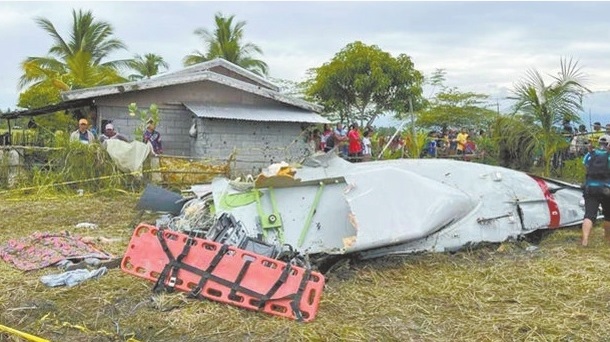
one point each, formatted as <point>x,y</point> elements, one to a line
<point>484,47</point>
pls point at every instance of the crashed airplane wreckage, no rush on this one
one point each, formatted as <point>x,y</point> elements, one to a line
<point>292,218</point>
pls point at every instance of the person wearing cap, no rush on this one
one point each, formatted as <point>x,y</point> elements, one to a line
<point>152,136</point>
<point>110,133</point>
<point>82,134</point>
<point>597,189</point>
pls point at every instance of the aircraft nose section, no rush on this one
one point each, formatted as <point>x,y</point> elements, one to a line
<point>391,205</point>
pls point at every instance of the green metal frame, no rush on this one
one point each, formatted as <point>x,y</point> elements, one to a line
<point>312,211</point>
<point>271,221</point>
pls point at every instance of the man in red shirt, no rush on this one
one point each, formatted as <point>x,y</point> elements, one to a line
<point>355,147</point>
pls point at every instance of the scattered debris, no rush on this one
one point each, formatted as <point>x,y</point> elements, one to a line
<point>72,278</point>
<point>309,216</point>
<point>69,265</point>
<point>86,225</point>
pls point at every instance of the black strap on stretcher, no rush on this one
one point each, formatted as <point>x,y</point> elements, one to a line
<point>175,264</point>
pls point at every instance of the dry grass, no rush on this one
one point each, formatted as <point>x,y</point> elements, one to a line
<point>179,170</point>
<point>559,292</point>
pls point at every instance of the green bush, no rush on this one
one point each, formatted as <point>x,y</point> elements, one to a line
<point>573,171</point>
<point>73,165</point>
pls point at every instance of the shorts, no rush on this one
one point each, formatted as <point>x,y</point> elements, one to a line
<point>592,203</point>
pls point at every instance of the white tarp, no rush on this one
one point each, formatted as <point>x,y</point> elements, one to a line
<point>129,157</point>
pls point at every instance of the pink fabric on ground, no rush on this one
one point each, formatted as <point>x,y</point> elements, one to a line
<point>44,249</point>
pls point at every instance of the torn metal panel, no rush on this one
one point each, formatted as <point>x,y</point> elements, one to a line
<point>328,227</point>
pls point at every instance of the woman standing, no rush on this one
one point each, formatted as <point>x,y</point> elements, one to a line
<point>152,136</point>
<point>354,151</point>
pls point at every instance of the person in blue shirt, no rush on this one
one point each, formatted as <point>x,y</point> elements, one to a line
<point>597,189</point>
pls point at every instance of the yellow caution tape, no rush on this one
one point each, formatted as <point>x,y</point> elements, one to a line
<point>22,334</point>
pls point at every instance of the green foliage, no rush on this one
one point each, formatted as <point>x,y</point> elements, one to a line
<point>452,108</point>
<point>144,116</point>
<point>545,106</point>
<point>488,150</point>
<point>40,95</point>
<point>72,63</point>
<point>146,66</point>
<point>515,141</point>
<point>88,34</point>
<point>573,171</point>
<point>362,82</point>
<point>73,165</point>
<point>76,72</point>
<point>226,41</point>
<point>22,136</point>
<point>415,146</point>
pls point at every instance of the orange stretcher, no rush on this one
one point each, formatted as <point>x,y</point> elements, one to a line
<point>223,273</point>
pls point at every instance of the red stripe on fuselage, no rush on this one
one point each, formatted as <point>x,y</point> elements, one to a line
<point>550,201</point>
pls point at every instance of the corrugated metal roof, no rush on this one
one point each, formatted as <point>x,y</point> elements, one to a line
<point>91,93</point>
<point>219,62</point>
<point>251,113</point>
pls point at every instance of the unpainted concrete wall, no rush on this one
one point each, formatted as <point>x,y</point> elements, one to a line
<point>257,144</point>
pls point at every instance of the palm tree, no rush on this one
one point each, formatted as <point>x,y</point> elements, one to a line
<point>226,42</point>
<point>78,61</point>
<point>545,106</point>
<point>146,66</point>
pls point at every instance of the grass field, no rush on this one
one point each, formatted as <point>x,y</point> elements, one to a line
<point>497,292</point>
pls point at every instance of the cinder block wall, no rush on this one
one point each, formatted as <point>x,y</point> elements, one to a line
<point>257,144</point>
<point>174,125</point>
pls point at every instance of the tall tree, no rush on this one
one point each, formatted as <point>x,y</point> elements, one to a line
<point>544,107</point>
<point>76,62</point>
<point>226,41</point>
<point>362,82</point>
<point>147,66</point>
<point>453,108</point>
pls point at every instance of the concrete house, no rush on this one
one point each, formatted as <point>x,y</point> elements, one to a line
<point>210,110</point>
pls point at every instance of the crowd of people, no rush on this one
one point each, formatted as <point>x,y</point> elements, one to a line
<point>581,139</point>
<point>452,142</point>
<point>349,143</point>
<point>86,135</point>
<point>355,144</point>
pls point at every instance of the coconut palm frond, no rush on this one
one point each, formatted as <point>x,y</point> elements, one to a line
<point>226,41</point>
<point>547,105</point>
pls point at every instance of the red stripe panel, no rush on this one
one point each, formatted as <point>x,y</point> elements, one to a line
<point>550,201</point>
